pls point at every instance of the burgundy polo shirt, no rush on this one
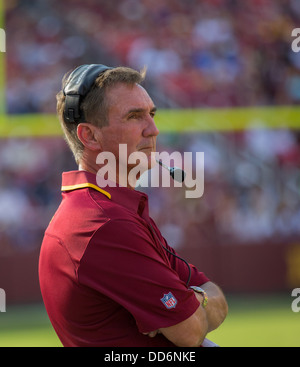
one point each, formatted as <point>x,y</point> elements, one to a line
<point>104,276</point>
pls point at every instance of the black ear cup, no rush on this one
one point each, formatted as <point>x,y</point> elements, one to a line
<point>78,85</point>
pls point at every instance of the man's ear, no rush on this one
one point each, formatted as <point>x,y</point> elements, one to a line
<point>89,136</point>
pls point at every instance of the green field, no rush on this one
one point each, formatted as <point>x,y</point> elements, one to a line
<point>260,321</point>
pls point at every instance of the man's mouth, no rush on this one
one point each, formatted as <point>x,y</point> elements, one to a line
<point>146,148</point>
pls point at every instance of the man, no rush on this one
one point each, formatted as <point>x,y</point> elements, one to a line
<point>107,276</point>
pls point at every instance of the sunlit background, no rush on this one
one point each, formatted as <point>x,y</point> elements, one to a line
<point>227,63</point>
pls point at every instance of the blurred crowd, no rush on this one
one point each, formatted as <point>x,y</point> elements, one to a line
<point>209,53</point>
<point>251,190</point>
<point>30,184</point>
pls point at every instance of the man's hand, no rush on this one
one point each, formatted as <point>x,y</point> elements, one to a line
<point>217,308</point>
<point>152,334</point>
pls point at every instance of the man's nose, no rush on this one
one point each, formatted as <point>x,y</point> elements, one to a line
<point>151,128</point>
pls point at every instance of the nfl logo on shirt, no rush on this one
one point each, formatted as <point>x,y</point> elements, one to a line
<point>169,300</point>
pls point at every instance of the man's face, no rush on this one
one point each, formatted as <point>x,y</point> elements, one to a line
<point>131,122</point>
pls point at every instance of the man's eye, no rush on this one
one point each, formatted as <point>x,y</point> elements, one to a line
<point>133,117</point>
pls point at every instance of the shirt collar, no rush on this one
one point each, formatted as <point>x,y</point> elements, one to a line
<point>132,199</point>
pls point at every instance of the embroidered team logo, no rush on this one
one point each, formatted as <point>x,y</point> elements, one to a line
<point>169,300</point>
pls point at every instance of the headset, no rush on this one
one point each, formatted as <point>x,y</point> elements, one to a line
<point>79,83</point>
<point>77,87</point>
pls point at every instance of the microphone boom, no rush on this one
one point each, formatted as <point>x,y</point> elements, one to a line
<point>176,173</point>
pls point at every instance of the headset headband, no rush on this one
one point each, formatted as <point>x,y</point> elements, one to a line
<point>78,85</point>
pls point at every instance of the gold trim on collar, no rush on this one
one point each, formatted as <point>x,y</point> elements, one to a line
<point>83,186</point>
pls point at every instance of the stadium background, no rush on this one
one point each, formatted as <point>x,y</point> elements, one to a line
<point>227,83</point>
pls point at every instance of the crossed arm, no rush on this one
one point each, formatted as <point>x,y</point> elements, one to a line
<point>192,331</point>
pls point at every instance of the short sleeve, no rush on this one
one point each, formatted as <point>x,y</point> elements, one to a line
<point>124,263</point>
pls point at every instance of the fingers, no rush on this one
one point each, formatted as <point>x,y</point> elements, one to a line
<point>152,334</point>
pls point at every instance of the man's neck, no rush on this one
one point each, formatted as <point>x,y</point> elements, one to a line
<point>120,181</point>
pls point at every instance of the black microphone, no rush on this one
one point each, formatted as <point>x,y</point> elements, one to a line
<point>176,173</point>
